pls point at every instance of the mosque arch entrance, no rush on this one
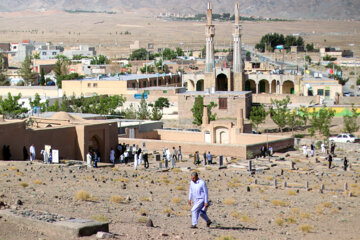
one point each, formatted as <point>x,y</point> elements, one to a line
<point>200,85</point>
<point>221,82</point>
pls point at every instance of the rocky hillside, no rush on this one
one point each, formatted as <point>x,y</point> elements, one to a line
<point>318,9</point>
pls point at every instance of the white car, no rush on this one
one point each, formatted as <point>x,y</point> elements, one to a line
<point>343,138</point>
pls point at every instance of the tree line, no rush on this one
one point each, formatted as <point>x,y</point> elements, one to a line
<point>315,121</point>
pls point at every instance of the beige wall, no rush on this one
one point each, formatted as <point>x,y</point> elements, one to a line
<point>71,141</point>
<point>87,87</point>
<point>29,91</point>
<point>181,136</point>
<point>234,103</point>
<point>266,98</point>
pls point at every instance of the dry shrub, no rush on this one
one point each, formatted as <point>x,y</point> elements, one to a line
<point>295,210</point>
<point>167,210</point>
<point>176,200</point>
<point>306,228</point>
<point>256,204</point>
<point>304,215</point>
<point>176,170</point>
<point>335,210</point>
<point>37,181</point>
<point>24,184</point>
<point>227,237</point>
<point>143,212</point>
<point>269,178</point>
<point>319,209</point>
<point>166,181</point>
<point>82,195</point>
<point>13,168</point>
<point>145,199</point>
<point>185,207</point>
<point>115,169</point>
<point>100,218</point>
<point>235,214</point>
<point>164,177</point>
<point>116,199</point>
<point>261,190</point>
<point>234,183</point>
<point>327,205</point>
<point>245,218</point>
<point>19,174</point>
<point>291,193</point>
<point>208,168</point>
<point>180,188</point>
<point>290,220</point>
<point>124,180</point>
<point>229,201</point>
<point>279,221</point>
<point>142,220</point>
<point>280,203</point>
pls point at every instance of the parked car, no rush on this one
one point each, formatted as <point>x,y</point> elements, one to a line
<point>193,130</point>
<point>344,138</point>
<point>348,94</point>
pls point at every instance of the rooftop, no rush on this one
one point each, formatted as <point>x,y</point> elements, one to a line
<point>229,93</point>
<point>123,77</point>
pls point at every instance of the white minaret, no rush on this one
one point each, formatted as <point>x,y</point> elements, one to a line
<point>237,62</point>
<point>209,33</point>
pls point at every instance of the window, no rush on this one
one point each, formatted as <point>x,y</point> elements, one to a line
<point>320,92</point>
<point>54,53</point>
<point>133,85</point>
<point>159,82</point>
<point>43,53</point>
<point>154,82</point>
<point>89,84</point>
<point>310,93</point>
<point>144,84</point>
<point>222,103</point>
<point>95,85</point>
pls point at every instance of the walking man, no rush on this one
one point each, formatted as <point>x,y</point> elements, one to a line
<point>330,158</point>
<point>175,154</point>
<point>88,160</point>
<point>312,151</point>
<point>323,149</point>
<point>32,152</point>
<point>199,194</point>
<point>179,154</point>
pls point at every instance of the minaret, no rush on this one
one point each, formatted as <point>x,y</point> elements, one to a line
<point>237,62</point>
<point>209,33</point>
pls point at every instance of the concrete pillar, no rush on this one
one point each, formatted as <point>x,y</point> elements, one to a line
<point>240,119</point>
<point>205,119</point>
<point>257,87</point>
<point>281,89</point>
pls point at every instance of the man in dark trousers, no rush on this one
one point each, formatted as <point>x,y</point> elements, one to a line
<point>346,163</point>
<point>330,158</point>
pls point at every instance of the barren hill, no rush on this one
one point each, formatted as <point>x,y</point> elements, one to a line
<point>318,9</point>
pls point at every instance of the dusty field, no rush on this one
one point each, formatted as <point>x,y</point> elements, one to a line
<point>103,30</point>
<point>262,213</point>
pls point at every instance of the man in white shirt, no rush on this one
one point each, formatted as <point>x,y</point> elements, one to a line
<point>32,152</point>
<point>88,160</point>
<point>199,194</point>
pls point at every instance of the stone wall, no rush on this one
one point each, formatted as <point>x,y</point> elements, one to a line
<point>349,100</point>
<point>30,91</point>
<point>266,98</point>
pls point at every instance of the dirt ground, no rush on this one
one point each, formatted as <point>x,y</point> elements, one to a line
<point>107,31</point>
<point>264,212</point>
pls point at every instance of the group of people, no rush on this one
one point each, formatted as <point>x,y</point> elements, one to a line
<point>92,158</point>
<point>266,152</point>
<point>207,158</point>
<point>172,156</point>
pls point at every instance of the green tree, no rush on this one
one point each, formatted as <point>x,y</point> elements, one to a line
<point>26,71</point>
<point>257,115</point>
<point>169,54</point>
<point>198,110</point>
<point>310,47</point>
<point>308,59</point>
<point>156,114</point>
<point>278,112</point>
<point>141,54</point>
<point>11,108</point>
<point>4,81</point>
<point>320,121</point>
<point>304,115</point>
<point>55,107</point>
<point>143,111</point>
<point>37,103</point>
<point>42,77</point>
<point>36,55</point>
<point>61,68</point>
<point>293,120</point>
<point>162,103</point>
<point>130,112</point>
<point>100,60</point>
<point>350,121</point>
<point>179,52</point>
<point>148,69</point>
